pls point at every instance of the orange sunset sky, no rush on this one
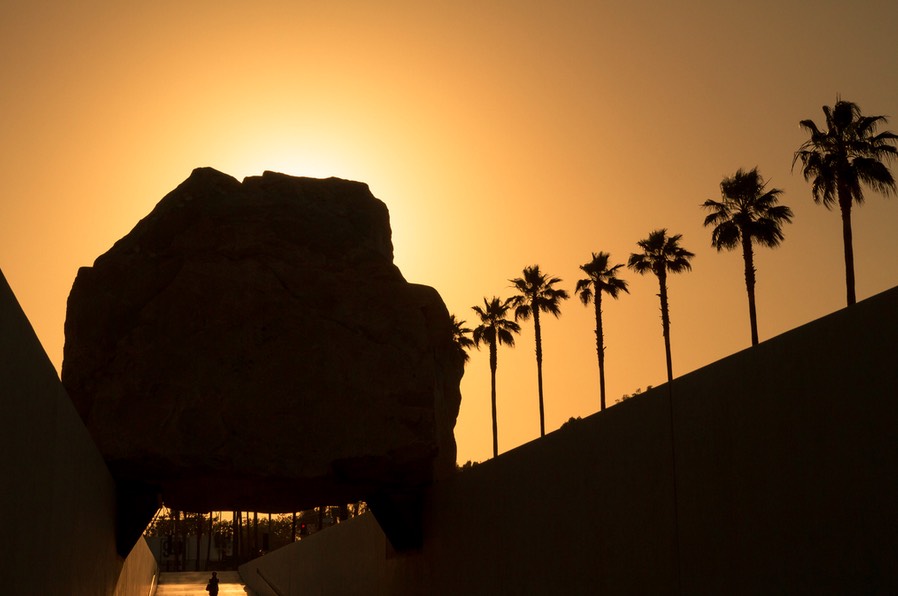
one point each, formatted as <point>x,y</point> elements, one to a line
<point>500,134</point>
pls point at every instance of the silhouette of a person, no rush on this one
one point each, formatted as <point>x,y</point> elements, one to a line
<point>212,586</point>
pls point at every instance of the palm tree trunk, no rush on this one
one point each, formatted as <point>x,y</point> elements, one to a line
<point>845,206</point>
<point>209,541</point>
<point>293,529</point>
<point>255,533</point>
<point>539,369</point>
<point>748,257</point>
<point>235,549</point>
<point>493,363</point>
<point>600,346</point>
<point>199,537</point>
<point>176,515</point>
<point>665,323</point>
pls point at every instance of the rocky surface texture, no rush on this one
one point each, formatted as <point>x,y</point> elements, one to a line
<point>252,346</point>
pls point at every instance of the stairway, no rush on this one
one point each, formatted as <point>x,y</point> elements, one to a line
<point>193,583</point>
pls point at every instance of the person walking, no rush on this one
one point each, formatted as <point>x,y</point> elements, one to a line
<point>212,586</point>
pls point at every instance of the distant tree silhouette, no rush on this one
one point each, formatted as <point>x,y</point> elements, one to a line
<point>746,214</point>
<point>460,337</point>
<point>662,254</point>
<point>494,329</point>
<point>842,158</point>
<point>536,295</point>
<point>601,279</point>
<point>638,391</point>
<point>468,465</point>
<point>571,422</point>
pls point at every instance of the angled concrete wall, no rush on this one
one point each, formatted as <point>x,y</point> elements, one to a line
<point>57,499</point>
<point>786,482</point>
<point>348,558</point>
<point>140,573</point>
<point>788,461</point>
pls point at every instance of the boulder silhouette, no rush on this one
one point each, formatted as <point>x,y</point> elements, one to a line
<point>252,346</point>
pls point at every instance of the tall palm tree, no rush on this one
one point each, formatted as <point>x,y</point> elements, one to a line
<point>840,159</point>
<point>601,279</point>
<point>747,213</point>
<point>536,295</point>
<point>494,329</point>
<point>662,254</point>
<point>460,337</point>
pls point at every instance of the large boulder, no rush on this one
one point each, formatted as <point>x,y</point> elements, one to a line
<point>252,346</point>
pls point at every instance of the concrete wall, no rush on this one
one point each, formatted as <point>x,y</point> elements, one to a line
<point>785,481</point>
<point>348,558</point>
<point>56,496</point>
<point>788,461</point>
<point>140,573</point>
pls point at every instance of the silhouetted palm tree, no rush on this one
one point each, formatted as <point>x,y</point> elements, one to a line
<point>662,254</point>
<point>601,278</point>
<point>460,337</point>
<point>840,159</point>
<point>536,295</point>
<point>746,214</point>
<point>494,329</point>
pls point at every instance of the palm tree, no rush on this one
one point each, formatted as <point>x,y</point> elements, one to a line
<point>746,214</point>
<point>493,330</point>
<point>840,159</point>
<point>537,295</point>
<point>601,278</point>
<point>460,337</point>
<point>662,254</point>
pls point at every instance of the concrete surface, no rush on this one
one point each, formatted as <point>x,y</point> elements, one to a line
<point>193,583</point>
<point>57,499</point>
<point>140,573</point>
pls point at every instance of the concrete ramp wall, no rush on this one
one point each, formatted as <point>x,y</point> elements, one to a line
<point>140,573</point>
<point>349,558</point>
<point>782,478</point>
<point>57,499</point>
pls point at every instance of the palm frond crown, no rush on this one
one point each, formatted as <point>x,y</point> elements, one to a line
<point>536,292</point>
<point>460,336</point>
<point>845,155</point>
<point>600,278</point>
<point>494,328</point>
<point>660,254</point>
<point>746,211</point>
